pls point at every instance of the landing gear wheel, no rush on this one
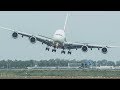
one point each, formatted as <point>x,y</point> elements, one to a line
<point>63,52</point>
<point>69,52</point>
<point>53,50</point>
<point>47,49</point>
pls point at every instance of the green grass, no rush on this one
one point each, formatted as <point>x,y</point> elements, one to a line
<point>65,73</point>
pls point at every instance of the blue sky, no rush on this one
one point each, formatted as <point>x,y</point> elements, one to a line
<point>95,27</point>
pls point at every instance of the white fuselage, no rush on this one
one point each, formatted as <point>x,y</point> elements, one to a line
<point>59,36</point>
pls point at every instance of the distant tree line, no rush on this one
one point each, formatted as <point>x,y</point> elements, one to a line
<point>19,64</point>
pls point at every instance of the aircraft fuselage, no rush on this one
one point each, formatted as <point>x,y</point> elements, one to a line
<point>59,38</point>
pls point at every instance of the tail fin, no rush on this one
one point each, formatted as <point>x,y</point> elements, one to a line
<point>66,21</point>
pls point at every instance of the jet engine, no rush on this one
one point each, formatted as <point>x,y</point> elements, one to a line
<point>15,35</point>
<point>84,48</point>
<point>32,40</point>
<point>104,50</point>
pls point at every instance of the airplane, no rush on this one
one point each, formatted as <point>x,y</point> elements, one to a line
<point>58,41</point>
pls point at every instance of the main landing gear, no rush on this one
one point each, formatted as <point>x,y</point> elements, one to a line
<point>62,51</point>
<point>47,49</point>
<point>53,50</point>
<point>69,52</point>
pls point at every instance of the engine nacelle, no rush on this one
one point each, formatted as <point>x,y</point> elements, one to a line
<point>32,40</point>
<point>84,48</point>
<point>104,50</point>
<point>15,35</point>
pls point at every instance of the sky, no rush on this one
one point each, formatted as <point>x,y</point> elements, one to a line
<point>94,27</point>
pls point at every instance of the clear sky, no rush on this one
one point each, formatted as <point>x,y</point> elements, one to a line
<point>95,27</point>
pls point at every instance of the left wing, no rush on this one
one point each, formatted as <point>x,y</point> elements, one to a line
<point>33,38</point>
<point>85,46</point>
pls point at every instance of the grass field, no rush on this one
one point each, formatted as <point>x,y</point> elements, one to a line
<point>58,74</point>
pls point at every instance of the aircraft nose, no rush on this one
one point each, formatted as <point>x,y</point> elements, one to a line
<point>58,38</point>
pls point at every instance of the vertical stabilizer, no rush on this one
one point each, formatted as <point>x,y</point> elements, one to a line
<point>66,21</point>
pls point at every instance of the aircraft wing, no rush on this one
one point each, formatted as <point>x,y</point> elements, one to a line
<point>69,45</point>
<point>44,40</point>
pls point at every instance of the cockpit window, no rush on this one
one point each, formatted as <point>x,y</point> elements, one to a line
<point>58,34</point>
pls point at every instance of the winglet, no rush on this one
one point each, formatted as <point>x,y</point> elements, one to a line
<point>66,21</point>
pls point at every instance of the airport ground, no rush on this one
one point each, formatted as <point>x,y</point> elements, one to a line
<point>59,74</point>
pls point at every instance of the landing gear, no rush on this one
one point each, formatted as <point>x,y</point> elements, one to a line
<point>53,50</point>
<point>62,51</point>
<point>69,52</point>
<point>47,49</point>
<point>98,48</point>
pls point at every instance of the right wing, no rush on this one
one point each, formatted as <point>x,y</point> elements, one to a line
<point>69,45</point>
<point>45,40</point>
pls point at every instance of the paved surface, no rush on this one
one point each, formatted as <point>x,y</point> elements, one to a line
<point>57,77</point>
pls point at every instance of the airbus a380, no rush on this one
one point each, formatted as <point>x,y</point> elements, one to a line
<point>58,41</point>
